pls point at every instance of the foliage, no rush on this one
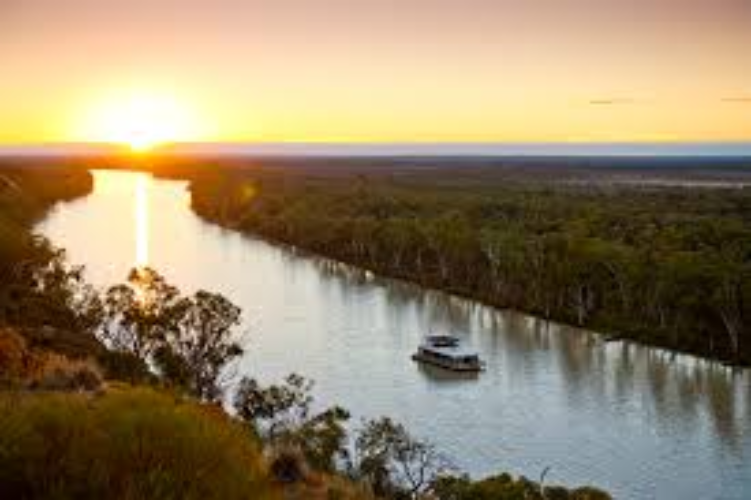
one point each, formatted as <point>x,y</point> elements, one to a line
<point>54,372</point>
<point>13,358</point>
<point>190,340</point>
<point>323,438</point>
<point>204,341</point>
<point>666,265</point>
<point>128,444</point>
<point>24,367</point>
<point>140,313</point>
<point>505,487</point>
<point>281,415</point>
<point>44,299</point>
<point>391,460</point>
<point>275,409</point>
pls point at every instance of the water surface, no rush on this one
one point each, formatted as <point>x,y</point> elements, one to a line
<point>640,422</point>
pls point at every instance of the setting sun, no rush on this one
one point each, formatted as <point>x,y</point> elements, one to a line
<point>141,120</point>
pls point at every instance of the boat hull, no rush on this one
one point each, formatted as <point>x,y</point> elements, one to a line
<point>447,365</point>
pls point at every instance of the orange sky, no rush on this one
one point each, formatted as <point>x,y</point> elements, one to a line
<point>376,70</point>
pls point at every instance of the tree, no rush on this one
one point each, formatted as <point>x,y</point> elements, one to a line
<point>199,347</point>
<point>323,439</point>
<point>140,313</point>
<point>389,458</point>
<point>281,415</point>
<point>275,409</point>
<point>189,340</point>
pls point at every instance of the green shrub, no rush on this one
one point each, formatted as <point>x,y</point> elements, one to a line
<point>124,444</point>
<point>506,487</point>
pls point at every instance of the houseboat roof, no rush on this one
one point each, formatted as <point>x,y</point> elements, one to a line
<point>442,340</point>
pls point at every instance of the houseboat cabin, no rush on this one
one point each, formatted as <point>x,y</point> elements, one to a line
<point>444,351</point>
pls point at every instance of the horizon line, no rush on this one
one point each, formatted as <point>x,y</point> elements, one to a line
<point>731,148</point>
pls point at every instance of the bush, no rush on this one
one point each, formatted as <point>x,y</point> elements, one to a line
<point>13,356</point>
<point>288,465</point>
<point>21,366</point>
<point>506,487</point>
<point>125,366</point>
<point>72,344</point>
<point>59,373</point>
<point>124,444</point>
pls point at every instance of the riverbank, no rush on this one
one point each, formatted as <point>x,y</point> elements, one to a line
<point>665,266</point>
<point>77,394</point>
<point>680,412</point>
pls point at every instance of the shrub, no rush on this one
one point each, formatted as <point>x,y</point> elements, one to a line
<point>40,369</point>
<point>59,373</point>
<point>71,343</point>
<point>288,465</point>
<point>506,487</point>
<point>13,355</point>
<point>124,444</point>
<point>125,366</point>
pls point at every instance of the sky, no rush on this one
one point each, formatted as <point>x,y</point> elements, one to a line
<point>375,70</point>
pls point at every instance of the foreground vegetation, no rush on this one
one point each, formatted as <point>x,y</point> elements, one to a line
<point>124,443</point>
<point>667,265</point>
<point>120,393</point>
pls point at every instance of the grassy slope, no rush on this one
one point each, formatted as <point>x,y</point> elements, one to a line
<point>136,442</point>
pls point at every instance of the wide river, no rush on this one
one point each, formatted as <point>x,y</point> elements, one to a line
<point>640,422</point>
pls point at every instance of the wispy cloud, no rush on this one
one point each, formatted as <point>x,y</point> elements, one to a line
<point>737,99</point>
<point>612,101</point>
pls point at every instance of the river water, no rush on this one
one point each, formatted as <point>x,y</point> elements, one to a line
<point>640,422</point>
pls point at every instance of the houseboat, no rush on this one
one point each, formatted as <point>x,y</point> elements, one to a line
<point>444,351</point>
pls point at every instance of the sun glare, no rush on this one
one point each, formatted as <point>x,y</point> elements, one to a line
<point>142,121</point>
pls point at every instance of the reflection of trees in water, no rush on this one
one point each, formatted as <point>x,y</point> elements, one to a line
<point>442,310</point>
<point>516,329</point>
<point>489,322</point>
<point>681,390</point>
<point>722,400</point>
<point>580,361</point>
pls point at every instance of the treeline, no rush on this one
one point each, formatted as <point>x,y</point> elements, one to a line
<point>669,266</point>
<point>118,394</point>
<point>29,298</point>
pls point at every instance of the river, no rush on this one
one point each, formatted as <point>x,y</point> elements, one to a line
<point>640,422</point>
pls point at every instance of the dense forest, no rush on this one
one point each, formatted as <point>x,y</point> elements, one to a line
<point>666,260</point>
<point>124,393</point>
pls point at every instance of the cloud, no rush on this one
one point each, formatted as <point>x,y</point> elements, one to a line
<point>737,100</point>
<point>612,101</point>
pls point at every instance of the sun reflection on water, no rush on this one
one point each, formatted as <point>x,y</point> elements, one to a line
<point>142,185</point>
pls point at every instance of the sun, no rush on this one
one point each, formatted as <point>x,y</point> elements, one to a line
<point>141,120</point>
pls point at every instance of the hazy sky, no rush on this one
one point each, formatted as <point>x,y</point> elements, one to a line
<point>381,70</point>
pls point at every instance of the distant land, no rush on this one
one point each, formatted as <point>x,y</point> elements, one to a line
<point>685,150</point>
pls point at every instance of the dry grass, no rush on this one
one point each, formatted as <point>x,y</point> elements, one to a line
<point>37,369</point>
